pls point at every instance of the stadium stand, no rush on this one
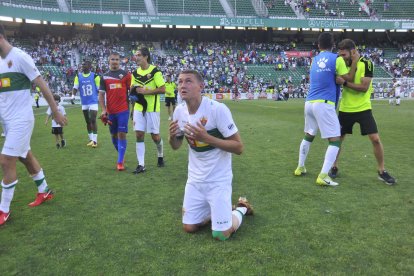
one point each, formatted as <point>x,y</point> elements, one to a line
<point>171,7</point>
<point>279,9</point>
<point>243,8</point>
<point>42,5</point>
<point>394,9</point>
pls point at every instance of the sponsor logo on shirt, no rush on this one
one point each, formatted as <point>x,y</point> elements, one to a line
<point>322,65</point>
<point>230,126</point>
<point>115,85</point>
<point>5,82</point>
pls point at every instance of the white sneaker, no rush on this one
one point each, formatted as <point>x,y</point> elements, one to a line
<point>325,180</point>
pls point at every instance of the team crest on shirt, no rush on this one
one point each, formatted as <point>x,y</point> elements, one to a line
<point>10,64</point>
<point>149,76</point>
<point>121,76</point>
<point>203,121</point>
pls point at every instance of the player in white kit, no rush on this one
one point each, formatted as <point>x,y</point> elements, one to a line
<point>212,136</point>
<point>17,71</point>
<point>396,89</point>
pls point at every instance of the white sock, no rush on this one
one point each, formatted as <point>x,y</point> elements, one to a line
<point>330,157</point>
<point>303,152</point>
<point>7,196</point>
<point>40,181</point>
<point>238,217</point>
<point>95,137</point>
<point>90,136</point>
<point>398,101</point>
<point>160,148</point>
<point>390,101</point>
<point>140,148</point>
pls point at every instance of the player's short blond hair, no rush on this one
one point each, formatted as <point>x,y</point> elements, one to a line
<point>195,73</point>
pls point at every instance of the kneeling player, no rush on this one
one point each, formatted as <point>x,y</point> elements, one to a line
<point>213,136</point>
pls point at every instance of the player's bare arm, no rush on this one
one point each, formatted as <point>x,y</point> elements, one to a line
<point>174,141</point>
<point>231,144</point>
<point>362,87</point>
<point>47,119</point>
<point>102,102</point>
<point>147,91</point>
<point>47,94</point>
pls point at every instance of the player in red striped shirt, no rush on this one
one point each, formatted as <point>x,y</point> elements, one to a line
<point>114,88</point>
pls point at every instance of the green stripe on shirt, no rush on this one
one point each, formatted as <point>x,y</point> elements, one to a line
<point>14,81</point>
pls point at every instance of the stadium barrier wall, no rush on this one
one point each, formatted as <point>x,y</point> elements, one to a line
<point>201,20</point>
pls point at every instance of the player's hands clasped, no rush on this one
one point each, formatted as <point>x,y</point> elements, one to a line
<point>198,132</point>
<point>174,129</point>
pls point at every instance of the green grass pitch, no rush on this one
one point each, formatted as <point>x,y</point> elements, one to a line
<point>104,222</point>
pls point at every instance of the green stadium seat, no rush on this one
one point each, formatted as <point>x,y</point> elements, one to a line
<point>212,7</point>
<point>281,10</point>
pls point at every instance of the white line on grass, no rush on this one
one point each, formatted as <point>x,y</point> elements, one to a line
<point>268,106</point>
<point>66,108</point>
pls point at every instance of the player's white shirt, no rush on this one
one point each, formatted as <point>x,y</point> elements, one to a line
<point>179,99</point>
<point>207,163</point>
<point>397,88</point>
<point>17,71</point>
<point>61,110</point>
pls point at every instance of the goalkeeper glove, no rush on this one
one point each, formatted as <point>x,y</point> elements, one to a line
<point>105,120</point>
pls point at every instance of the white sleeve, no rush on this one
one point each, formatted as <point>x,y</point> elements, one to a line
<point>177,116</point>
<point>225,123</point>
<point>28,67</point>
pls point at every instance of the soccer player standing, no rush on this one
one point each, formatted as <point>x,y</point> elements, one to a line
<point>88,83</point>
<point>170,96</point>
<point>396,88</point>
<point>320,107</point>
<point>355,107</point>
<point>17,71</point>
<point>113,99</point>
<point>147,81</point>
<point>212,136</point>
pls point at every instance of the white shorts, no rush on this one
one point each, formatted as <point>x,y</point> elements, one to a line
<point>397,94</point>
<point>18,136</point>
<point>211,199</point>
<point>93,107</point>
<point>150,123</point>
<point>321,116</point>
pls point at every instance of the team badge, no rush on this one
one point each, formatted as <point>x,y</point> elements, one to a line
<point>203,121</point>
<point>121,76</point>
<point>149,76</point>
<point>10,64</point>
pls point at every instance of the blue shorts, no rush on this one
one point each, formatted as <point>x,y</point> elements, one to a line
<point>119,122</point>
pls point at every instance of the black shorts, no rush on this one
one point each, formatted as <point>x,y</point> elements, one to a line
<point>364,118</point>
<point>169,101</point>
<point>57,130</point>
